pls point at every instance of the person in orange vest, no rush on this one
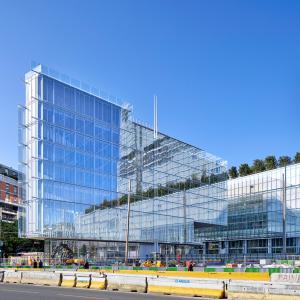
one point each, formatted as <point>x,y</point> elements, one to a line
<point>190,266</point>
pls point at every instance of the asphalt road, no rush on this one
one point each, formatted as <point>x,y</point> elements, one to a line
<point>34,292</point>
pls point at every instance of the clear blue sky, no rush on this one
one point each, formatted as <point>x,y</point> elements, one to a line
<point>227,73</point>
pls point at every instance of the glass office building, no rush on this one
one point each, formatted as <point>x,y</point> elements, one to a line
<point>257,206</point>
<point>79,151</point>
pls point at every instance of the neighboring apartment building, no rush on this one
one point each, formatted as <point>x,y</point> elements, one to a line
<point>79,153</point>
<point>9,194</point>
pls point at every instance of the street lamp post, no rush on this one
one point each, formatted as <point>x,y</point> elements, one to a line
<point>50,246</point>
<point>284,212</point>
<point>128,222</point>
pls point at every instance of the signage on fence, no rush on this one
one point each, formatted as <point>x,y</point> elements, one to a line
<point>285,277</point>
<point>182,281</point>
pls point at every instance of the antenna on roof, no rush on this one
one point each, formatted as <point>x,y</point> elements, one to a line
<point>155,127</point>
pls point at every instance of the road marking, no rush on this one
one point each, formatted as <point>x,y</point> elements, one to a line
<point>16,291</point>
<point>84,297</point>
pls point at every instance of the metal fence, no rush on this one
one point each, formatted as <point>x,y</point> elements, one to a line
<point>169,261</point>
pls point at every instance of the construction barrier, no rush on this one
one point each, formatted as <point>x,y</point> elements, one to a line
<point>264,276</point>
<point>12,276</point>
<point>187,287</point>
<point>63,271</point>
<point>98,281</point>
<point>241,290</point>
<point>42,278</point>
<point>30,269</point>
<point>287,289</point>
<point>249,287</point>
<point>131,283</point>
<point>83,280</point>
<point>282,286</point>
<point>285,277</point>
<point>68,279</point>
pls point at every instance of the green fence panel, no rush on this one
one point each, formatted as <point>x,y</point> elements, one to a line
<point>274,270</point>
<point>137,268</point>
<point>297,270</point>
<point>284,261</point>
<point>171,269</point>
<point>209,269</point>
<point>253,270</point>
<point>228,270</point>
<point>153,268</point>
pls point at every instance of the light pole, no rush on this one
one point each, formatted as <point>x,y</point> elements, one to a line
<point>50,235</point>
<point>284,212</point>
<point>128,222</point>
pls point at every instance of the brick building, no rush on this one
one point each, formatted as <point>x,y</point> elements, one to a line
<point>10,199</point>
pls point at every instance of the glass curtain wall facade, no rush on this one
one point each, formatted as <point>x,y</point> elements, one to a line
<point>78,153</point>
<point>69,148</point>
<point>255,214</point>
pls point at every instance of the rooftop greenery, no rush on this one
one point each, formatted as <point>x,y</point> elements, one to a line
<point>260,165</point>
<point>160,191</point>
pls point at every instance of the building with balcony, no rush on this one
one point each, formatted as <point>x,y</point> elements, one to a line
<point>10,199</point>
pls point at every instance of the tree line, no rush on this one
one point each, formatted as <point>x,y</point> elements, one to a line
<point>13,244</point>
<point>260,165</point>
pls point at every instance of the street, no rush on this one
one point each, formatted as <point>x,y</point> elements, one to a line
<point>34,292</point>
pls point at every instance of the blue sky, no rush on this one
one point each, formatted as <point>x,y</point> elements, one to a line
<point>226,73</point>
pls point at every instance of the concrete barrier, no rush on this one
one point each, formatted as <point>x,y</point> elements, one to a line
<point>68,279</point>
<point>238,290</point>
<point>98,281</point>
<point>83,280</point>
<point>12,276</point>
<point>30,269</point>
<point>289,289</point>
<point>63,271</point>
<point>131,283</point>
<point>248,287</point>
<point>187,287</point>
<point>42,278</point>
<point>264,276</point>
<point>285,277</point>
